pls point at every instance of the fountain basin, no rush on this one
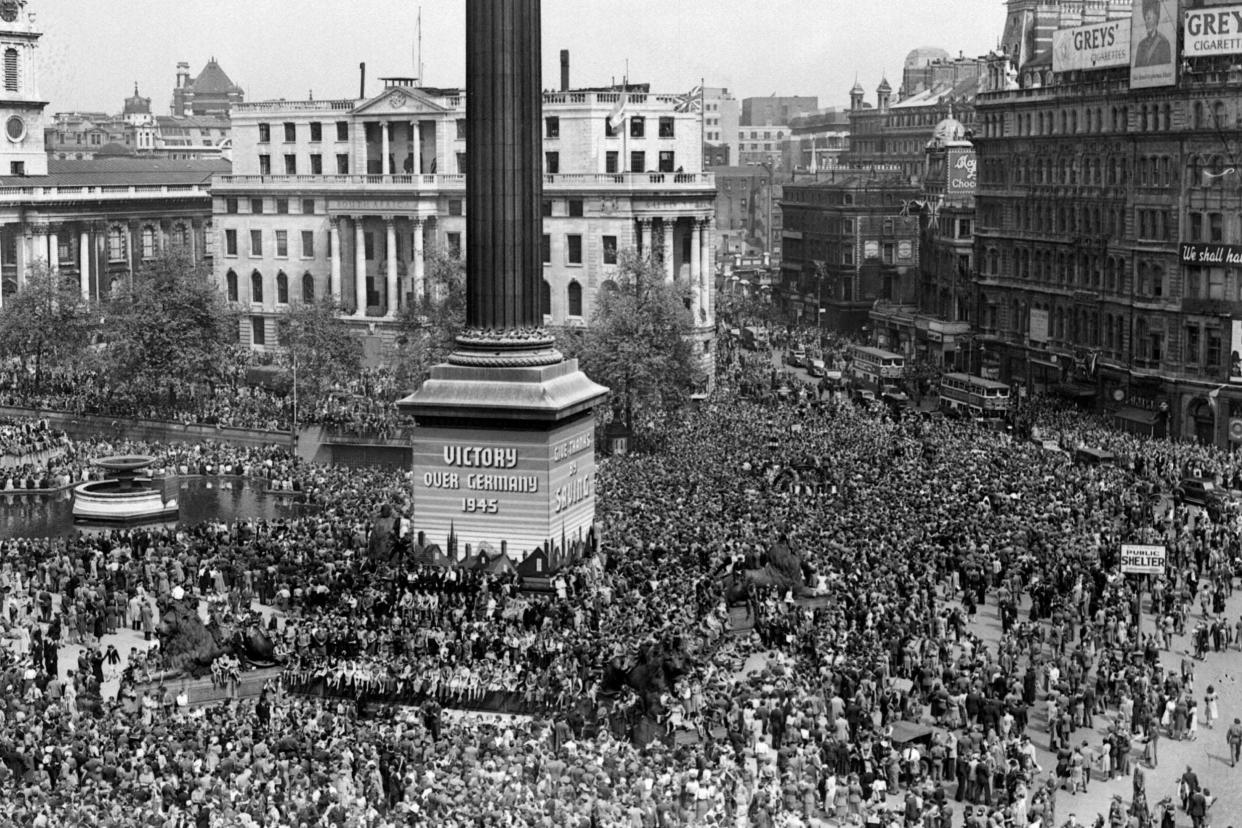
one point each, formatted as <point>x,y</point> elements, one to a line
<point>125,498</point>
<point>106,500</point>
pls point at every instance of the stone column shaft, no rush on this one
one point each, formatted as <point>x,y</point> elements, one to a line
<point>84,263</point>
<point>360,267</point>
<point>696,286</point>
<point>667,250</point>
<point>385,166</point>
<point>416,148</point>
<point>334,231</point>
<point>503,201</point>
<point>420,263</point>
<point>390,287</point>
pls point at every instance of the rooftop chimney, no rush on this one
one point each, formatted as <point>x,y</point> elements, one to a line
<point>362,79</point>
<point>564,70</point>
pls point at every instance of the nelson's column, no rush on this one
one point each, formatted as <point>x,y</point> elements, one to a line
<point>504,449</point>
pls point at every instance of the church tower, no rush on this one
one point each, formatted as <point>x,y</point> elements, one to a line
<point>21,110</point>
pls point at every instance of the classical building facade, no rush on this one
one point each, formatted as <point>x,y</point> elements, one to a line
<point>1107,233</point>
<point>97,222</point>
<point>346,197</point>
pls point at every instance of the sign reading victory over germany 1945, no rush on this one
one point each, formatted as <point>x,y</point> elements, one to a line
<point>1212,31</point>
<point>1091,47</point>
<point>1142,559</point>
<point>514,486</point>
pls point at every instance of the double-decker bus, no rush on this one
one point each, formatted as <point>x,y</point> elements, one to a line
<point>974,396</point>
<point>875,367</point>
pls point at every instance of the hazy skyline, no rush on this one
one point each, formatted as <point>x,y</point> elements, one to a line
<point>93,53</point>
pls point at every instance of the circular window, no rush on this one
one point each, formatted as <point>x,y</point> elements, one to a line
<point>15,127</point>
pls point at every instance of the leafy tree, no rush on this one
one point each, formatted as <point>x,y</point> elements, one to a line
<point>320,347</point>
<point>638,343</point>
<point>170,324</point>
<point>47,324</point>
<point>428,328</point>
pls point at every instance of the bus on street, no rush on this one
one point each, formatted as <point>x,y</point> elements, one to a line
<point>973,396</point>
<point>875,367</point>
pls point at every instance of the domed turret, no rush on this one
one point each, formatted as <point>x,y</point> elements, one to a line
<point>948,131</point>
<point>925,55</point>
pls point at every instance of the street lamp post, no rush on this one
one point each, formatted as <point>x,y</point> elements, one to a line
<point>767,165</point>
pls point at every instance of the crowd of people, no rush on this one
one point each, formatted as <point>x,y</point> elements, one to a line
<point>363,406</point>
<point>851,687</point>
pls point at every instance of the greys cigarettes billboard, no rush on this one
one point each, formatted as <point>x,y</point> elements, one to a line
<point>1097,46</point>
<point>1212,31</point>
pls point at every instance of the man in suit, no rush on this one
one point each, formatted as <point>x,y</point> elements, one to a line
<point>1154,48</point>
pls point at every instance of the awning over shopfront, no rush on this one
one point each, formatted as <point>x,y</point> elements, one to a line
<point>1045,364</point>
<point>1076,392</point>
<point>1140,416</point>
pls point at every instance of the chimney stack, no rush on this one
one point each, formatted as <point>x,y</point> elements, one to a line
<point>362,79</point>
<point>564,70</point>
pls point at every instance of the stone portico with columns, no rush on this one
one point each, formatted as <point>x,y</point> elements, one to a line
<point>349,198</point>
<point>97,222</point>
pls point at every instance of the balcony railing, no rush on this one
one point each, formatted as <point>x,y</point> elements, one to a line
<point>111,193</point>
<point>438,182</point>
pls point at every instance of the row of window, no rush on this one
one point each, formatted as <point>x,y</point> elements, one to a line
<point>573,249</point>
<point>638,127</point>
<point>232,287</point>
<point>232,205</point>
<point>612,159</point>
<point>291,132</point>
<point>1076,269</point>
<point>282,244</point>
<point>179,238</point>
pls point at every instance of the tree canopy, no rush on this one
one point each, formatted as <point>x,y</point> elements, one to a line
<point>169,324</point>
<point>429,326</point>
<point>46,324</point>
<point>638,342</point>
<point>320,346</point>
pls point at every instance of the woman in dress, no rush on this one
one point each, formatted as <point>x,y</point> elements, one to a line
<point>1210,708</point>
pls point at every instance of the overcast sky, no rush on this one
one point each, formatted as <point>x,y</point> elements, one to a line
<point>94,51</point>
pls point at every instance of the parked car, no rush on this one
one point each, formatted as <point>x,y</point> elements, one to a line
<point>1202,493</point>
<point>894,396</point>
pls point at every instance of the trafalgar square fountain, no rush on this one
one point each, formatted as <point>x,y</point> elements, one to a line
<point>123,497</point>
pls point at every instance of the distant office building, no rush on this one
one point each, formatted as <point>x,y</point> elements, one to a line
<point>748,211</point>
<point>775,110</point>
<point>762,145</point>
<point>721,114</point>
<point>817,141</point>
<point>849,242</point>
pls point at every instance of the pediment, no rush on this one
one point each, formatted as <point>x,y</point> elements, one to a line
<point>399,99</point>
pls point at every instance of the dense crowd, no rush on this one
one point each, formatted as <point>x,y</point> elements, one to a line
<point>364,406</point>
<point>636,706</point>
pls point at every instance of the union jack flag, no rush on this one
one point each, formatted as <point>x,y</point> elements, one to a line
<point>692,101</point>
